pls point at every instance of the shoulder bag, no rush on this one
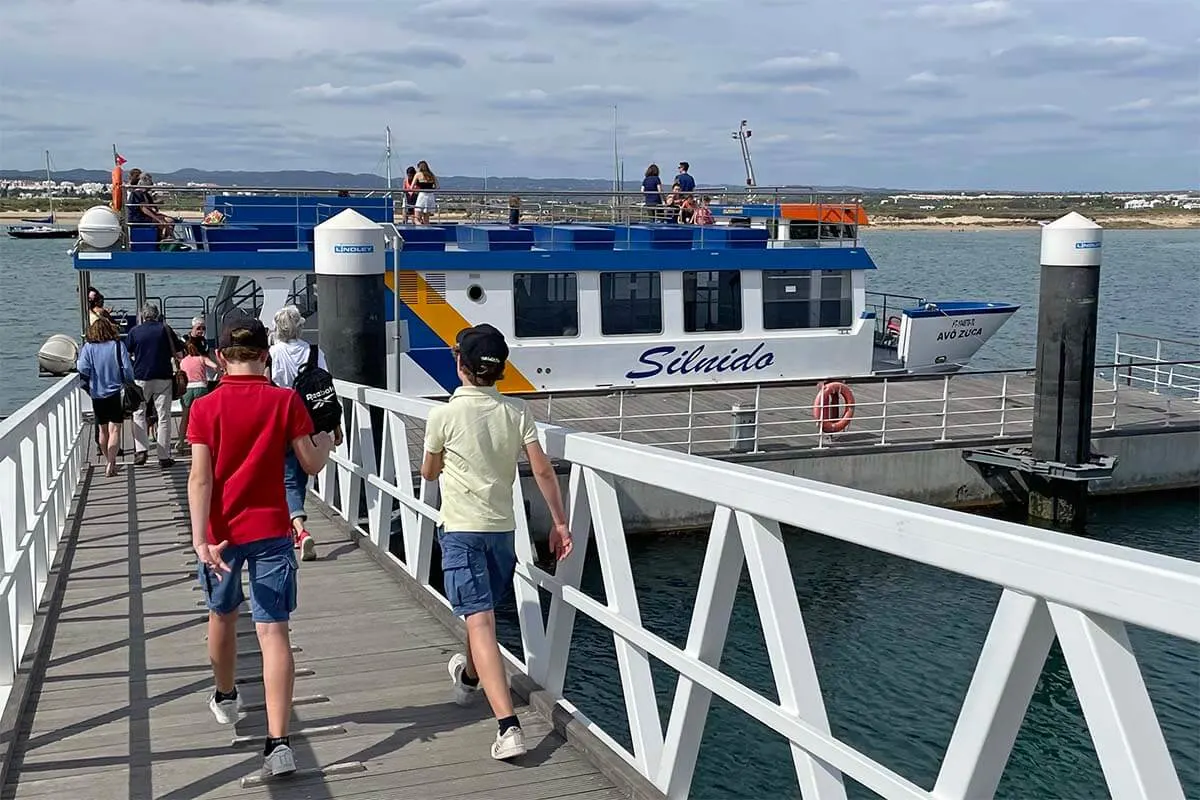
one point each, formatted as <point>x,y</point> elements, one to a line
<point>132,397</point>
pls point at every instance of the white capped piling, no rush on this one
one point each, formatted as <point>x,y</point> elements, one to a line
<point>1066,365</point>
<point>350,262</point>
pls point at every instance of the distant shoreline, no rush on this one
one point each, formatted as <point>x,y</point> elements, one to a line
<point>1163,222</point>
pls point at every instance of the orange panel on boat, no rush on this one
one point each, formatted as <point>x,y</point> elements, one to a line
<point>848,214</point>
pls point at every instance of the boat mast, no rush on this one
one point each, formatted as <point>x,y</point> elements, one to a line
<point>742,134</point>
<point>50,187</point>
<point>388,157</point>
<point>616,168</point>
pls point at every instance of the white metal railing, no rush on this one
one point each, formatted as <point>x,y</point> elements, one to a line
<point>41,459</point>
<point>1080,591</point>
<point>961,405</point>
<point>1158,365</point>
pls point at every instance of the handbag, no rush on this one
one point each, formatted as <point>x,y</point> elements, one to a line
<point>179,381</point>
<point>132,397</point>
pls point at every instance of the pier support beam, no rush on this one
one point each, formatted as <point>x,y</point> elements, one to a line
<point>349,261</point>
<point>1066,362</point>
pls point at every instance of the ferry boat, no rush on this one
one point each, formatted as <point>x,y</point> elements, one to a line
<point>775,291</point>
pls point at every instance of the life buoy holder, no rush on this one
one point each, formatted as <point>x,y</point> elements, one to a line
<point>118,191</point>
<point>832,397</point>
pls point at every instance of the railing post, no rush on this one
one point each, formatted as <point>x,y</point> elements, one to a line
<point>550,409</point>
<point>945,405</point>
<point>757,409</point>
<point>691,400</point>
<point>621,415</point>
<point>1003,403</point>
<point>1157,361</point>
<point>883,414</point>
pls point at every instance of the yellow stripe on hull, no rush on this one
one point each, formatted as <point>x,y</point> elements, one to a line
<point>445,321</point>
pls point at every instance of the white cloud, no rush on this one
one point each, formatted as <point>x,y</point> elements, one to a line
<point>797,69</point>
<point>400,91</point>
<point>1135,105</point>
<point>981,14</point>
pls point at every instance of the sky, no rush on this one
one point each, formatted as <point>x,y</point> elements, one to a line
<point>1042,95</point>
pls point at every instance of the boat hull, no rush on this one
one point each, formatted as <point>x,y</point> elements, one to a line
<point>27,233</point>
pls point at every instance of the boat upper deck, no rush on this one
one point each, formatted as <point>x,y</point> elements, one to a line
<point>274,230</point>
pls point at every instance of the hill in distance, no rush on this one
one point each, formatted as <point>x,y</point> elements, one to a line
<point>306,179</point>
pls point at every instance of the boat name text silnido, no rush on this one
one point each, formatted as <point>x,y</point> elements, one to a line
<point>690,362</point>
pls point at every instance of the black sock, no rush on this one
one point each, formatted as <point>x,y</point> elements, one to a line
<point>226,696</point>
<point>508,722</point>
<point>468,680</point>
<point>272,743</point>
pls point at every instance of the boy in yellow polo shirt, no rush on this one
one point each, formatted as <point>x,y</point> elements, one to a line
<point>472,444</point>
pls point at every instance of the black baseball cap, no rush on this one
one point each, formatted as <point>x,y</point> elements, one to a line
<point>482,348</point>
<point>239,329</point>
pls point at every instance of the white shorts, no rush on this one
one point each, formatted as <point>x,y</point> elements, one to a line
<point>426,202</point>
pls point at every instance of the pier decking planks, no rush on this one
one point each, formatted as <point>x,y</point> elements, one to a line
<point>121,711</point>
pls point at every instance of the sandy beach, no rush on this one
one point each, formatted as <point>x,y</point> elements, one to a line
<point>1171,221</point>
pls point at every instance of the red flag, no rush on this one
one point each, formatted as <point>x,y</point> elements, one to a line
<point>120,159</point>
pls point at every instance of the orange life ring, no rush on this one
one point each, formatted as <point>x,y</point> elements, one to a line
<point>118,192</point>
<point>830,397</point>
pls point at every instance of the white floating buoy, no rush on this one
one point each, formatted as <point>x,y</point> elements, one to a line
<point>58,355</point>
<point>100,227</point>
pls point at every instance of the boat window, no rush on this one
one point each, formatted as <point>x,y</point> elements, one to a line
<point>787,300</point>
<point>545,304</point>
<point>712,301</point>
<point>837,306</point>
<point>630,303</point>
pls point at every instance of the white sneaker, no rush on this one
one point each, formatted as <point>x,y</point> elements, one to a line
<point>227,712</point>
<point>510,744</point>
<point>463,694</point>
<point>282,761</point>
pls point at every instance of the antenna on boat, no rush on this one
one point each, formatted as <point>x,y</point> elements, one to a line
<point>616,168</point>
<point>388,156</point>
<point>50,187</point>
<point>742,134</point>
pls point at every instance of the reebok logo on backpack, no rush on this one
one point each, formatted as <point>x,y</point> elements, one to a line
<point>315,387</point>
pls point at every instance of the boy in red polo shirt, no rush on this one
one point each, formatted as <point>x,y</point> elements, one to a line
<point>240,433</point>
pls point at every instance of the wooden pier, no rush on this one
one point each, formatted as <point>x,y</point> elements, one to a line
<point>117,705</point>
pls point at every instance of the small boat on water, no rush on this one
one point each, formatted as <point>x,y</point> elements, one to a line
<point>44,228</point>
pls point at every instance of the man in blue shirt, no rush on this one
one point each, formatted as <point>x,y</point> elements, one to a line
<point>687,184</point>
<point>153,347</point>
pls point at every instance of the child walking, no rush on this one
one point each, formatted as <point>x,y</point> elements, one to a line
<point>239,434</point>
<point>472,444</point>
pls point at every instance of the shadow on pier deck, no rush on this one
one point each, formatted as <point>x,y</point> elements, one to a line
<point>116,702</point>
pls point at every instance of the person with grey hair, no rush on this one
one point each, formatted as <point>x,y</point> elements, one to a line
<point>154,348</point>
<point>288,357</point>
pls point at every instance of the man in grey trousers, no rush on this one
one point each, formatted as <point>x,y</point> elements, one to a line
<point>153,348</point>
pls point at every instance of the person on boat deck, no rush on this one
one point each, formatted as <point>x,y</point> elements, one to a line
<point>410,194</point>
<point>687,184</point>
<point>674,201</point>
<point>514,210</point>
<point>95,303</point>
<point>704,215</point>
<point>200,370</point>
<point>198,335</point>
<point>286,357</point>
<point>426,182</point>
<point>104,366</point>
<point>652,191</point>
<point>153,346</point>
<point>687,208</point>
<point>141,204</point>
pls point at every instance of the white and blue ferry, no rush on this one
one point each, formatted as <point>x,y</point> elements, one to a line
<point>775,291</point>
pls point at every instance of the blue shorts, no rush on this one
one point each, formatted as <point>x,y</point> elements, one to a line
<point>273,571</point>
<point>477,570</point>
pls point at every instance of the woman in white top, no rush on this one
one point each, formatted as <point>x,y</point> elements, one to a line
<point>288,355</point>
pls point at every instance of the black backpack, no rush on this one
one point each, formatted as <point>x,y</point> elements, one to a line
<point>315,387</point>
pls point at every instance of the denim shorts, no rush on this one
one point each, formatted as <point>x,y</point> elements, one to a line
<point>273,571</point>
<point>477,570</point>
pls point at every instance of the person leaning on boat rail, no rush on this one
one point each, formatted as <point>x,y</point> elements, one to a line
<point>104,365</point>
<point>425,182</point>
<point>287,356</point>
<point>652,196</point>
<point>410,194</point>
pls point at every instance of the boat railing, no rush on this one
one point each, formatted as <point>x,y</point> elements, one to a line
<point>887,308</point>
<point>766,418</point>
<point>282,219</point>
<point>1158,364</point>
<point>42,448</point>
<point>1052,586</point>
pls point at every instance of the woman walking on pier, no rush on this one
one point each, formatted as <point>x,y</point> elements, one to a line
<point>105,366</point>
